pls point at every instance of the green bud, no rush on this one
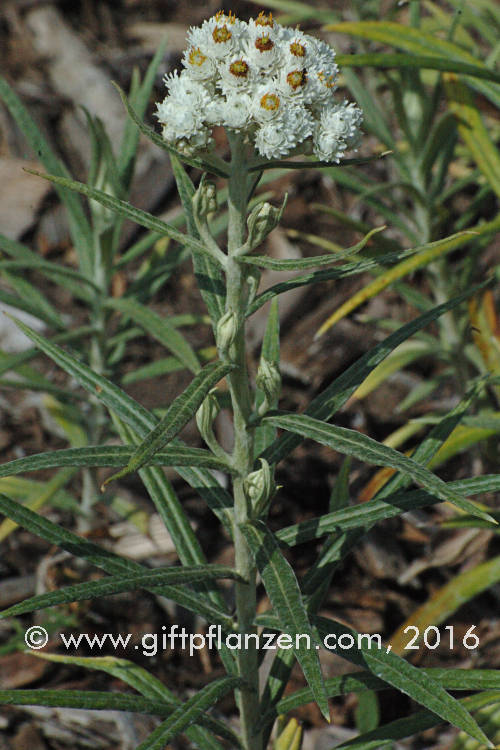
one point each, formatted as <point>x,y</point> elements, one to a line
<point>205,199</point>
<point>262,220</point>
<point>259,487</point>
<point>227,328</point>
<point>268,380</point>
<point>206,414</point>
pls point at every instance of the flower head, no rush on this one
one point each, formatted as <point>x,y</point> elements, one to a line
<point>275,85</point>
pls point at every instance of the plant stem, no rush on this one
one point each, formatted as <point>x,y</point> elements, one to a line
<point>247,658</point>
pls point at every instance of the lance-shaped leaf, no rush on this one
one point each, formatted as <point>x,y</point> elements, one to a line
<point>284,592</point>
<point>118,584</point>
<point>111,563</point>
<point>123,208</point>
<point>367,514</point>
<point>160,328</point>
<point>112,455</point>
<point>188,713</point>
<point>400,729</point>
<point>389,667</point>
<point>337,393</point>
<point>178,415</point>
<point>151,688</point>
<point>354,443</point>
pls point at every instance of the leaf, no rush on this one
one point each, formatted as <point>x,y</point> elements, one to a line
<point>262,261</point>
<point>111,563</point>
<point>425,255</point>
<point>473,131</point>
<point>337,393</point>
<point>207,272</point>
<point>284,593</point>
<point>150,687</point>
<point>356,682</point>
<point>354,443</point>
<point>264,434</point>
<point>445,601</point>
<point>367,514</point>
<point>123,208</point>
<point>178,415</point>
<point>189,712</point>
<point>118,584</point>
<point>160,328</point>
<point>111,455</point>
<point>400,674</point>
<point>417,42</point>
<point>394,60</point>
<point>79,226</point>
<point>418,722</point>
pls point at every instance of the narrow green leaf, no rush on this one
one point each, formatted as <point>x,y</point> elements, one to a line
<point>423,256</point>
<point>188,713</point>
<point>118,584</point>
<point>284,593</point>
<point>356,682</point>
<point>367,514</point>
<point>85,699</point>
<point>150,687</point>
<point>354,443</point>
<point>207,272</point>
<point>32,300</point>
<point>265,434</point>
<point>178,415</point>
<point>337,393</point>
<point>123,208</point>
<point>417,42</point>
<point>263,261</point>
<point>400,729</point>
<point>390,668</point>
<point>79,227</point>
<point>160,328</point>
<point>395,60</point>
<point>109,562</point>
<point>473,131</point>
<point>111,455</point>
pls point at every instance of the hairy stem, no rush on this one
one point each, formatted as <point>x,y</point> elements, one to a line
<point>247,659</point>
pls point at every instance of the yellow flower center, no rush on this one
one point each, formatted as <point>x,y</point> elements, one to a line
<point>263,20</point>
<point>196,57</point>
<point>221,34</point>
<point>297,49</point>
<point>296,78</point>
<point>329,82</point>
<point>221,16</point>
<point>264,43</point>
<point>270,102</point>
<point>239,68</point>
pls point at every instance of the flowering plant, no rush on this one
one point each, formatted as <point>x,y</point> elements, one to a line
<point>273,90</point>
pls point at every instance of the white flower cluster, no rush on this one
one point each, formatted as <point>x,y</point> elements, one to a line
<point>271,83</point>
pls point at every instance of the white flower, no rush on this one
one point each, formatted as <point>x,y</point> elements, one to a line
<point>267,103</point>
<point>274,139</point>
<point>274,85</point>
<point>337,130</point>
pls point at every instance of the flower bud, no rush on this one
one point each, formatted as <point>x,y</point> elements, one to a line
<point>259,488</point>
<point>206,414</point>
<point>227,328</point>
<point>262,220</point>
<point>205,199</point>
<point>268,380</point>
